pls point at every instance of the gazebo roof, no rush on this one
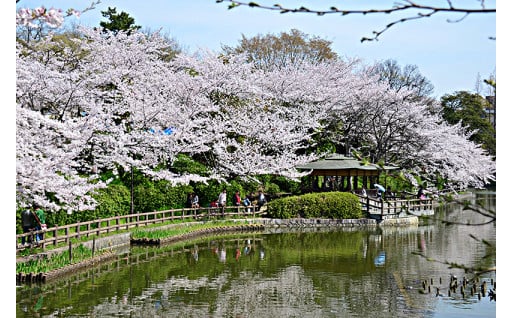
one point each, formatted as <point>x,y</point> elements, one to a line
<point>337,164</point>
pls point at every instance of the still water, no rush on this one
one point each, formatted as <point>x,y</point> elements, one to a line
<point>371,272</point>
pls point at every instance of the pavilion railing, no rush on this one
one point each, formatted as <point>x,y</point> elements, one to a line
<point>393,206</point>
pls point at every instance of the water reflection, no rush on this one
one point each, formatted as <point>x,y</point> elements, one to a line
<point>284,273</point>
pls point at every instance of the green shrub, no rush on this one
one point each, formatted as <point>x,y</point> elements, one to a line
<point>287,185</point>
<point>159,195</point>
<point>113,200</point>
<point>333,205</point>
<point>272,189</point>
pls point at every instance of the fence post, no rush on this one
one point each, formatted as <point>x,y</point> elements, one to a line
<point>67,234</point>
<point>55,233</point>
<point>93,245</point>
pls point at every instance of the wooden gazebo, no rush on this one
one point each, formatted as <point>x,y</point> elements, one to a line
<point>337,172</point>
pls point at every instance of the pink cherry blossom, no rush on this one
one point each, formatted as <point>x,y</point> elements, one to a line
<point>99,104</point>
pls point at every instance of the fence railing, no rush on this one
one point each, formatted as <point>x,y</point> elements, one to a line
<point>64,233</point>
<point>394,206</point>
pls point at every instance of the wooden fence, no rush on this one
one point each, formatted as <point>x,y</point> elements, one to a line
<point>63,234</point>
<point>394,207</point>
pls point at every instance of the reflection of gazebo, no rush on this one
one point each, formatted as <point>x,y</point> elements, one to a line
<point>340,173</point>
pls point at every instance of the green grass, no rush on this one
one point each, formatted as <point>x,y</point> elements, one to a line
<point>43,265</point>
<point>179,230</point>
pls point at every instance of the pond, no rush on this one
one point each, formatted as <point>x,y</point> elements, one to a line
<point>308,272</point>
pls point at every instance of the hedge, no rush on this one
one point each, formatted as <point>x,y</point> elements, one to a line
<point>332,205</point>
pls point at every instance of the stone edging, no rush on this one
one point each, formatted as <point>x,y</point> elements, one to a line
<point>300,222</point>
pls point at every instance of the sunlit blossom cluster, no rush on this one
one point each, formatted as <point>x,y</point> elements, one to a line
<point>41,16</point>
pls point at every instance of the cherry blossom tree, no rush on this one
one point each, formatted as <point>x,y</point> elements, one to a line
<point>34,23</point>
<point>268,127</point>
<point>47,17</point>
<point>109,100</point>
<point>45,165</point>
<point>386,126</point>
<point>101,91</point>
<point>130,108</point>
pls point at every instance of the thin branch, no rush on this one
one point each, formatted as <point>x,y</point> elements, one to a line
<point>404,6</point>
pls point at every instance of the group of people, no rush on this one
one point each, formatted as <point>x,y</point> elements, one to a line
<point>388,193</point>
<point>192,200</point>
<point>221,201</point>
<point>260,201</point>
<point>421,194</point>
<point>33,220</point>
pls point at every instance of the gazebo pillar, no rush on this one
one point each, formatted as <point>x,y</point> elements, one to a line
<point>355,182</point>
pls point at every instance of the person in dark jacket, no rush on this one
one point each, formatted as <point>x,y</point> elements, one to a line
<point>28,224</point>
<point>188,203</point>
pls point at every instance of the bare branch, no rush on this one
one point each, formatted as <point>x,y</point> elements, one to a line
<point>422,11</point>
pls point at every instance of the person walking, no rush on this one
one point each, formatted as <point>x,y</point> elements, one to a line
<point>195,204</point>
<point>261,200</point>
<point>188,203</point>
<point>195,200</point>
<point>247,203</point>
<point>40,222</point>
<point>222,201</point>
<point>236,198</point>
<point>27,222</point>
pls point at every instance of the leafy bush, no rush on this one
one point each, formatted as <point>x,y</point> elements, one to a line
<point>288,185</point>
<point>334,205</point>
<point>272,188</point>
<point>113,200</point>
<point>159,195</point>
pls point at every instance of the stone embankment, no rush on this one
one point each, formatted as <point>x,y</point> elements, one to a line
<point>341,223</point>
